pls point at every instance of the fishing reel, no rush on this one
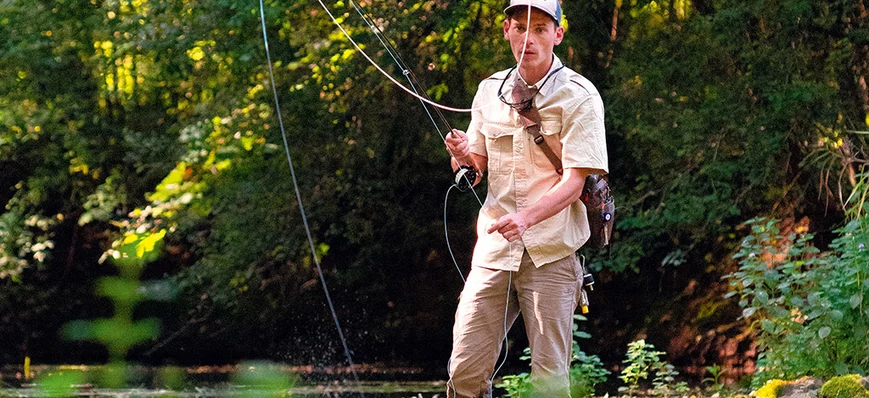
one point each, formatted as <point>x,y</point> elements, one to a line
<point>464,178</point>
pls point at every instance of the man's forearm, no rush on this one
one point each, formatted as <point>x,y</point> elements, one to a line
<point>567,191</point>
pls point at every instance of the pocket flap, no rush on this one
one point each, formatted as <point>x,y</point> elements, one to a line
<point>550,127</point>
<point>495,130</point>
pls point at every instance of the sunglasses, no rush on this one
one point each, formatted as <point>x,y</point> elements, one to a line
<point>525,103</point>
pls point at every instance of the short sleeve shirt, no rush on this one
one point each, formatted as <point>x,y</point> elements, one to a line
<point>519,174</point>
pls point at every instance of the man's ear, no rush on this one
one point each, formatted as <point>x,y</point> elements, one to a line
<point>559,34</point>
<point>506,28</point>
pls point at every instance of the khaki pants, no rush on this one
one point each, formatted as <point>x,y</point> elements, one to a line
<point>546,296</point>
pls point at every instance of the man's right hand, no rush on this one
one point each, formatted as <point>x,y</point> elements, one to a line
<point>457,144</point>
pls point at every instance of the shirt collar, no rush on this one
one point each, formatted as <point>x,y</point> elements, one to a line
<point>550,83</point>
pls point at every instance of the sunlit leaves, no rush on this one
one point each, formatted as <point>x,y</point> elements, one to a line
<point>814,325</point>
<point>122,332</point>
<point>136,249</point>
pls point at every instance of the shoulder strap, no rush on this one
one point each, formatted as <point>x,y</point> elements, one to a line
<point>530,119</point>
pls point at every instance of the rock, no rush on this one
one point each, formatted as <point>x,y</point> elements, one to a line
<point>807,387</point>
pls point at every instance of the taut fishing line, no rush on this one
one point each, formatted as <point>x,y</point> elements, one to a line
<point>299,199</point>
<point>396,82</point>
<point>425,100</point>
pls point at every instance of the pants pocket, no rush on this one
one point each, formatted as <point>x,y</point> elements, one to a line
<point>577,274</point>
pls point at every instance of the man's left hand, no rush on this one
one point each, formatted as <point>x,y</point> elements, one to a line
<point>511,226</point>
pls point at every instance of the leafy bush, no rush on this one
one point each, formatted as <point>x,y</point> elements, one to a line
<point>809,308</point>
<point>714,379</point>
<point>122,332</point>
<point>586,371</point>
<point>844,386</point>
<point>643,360</point>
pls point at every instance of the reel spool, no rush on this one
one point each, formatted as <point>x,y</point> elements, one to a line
<point>464,178</point>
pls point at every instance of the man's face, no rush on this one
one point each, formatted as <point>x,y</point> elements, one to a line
<point>543,36</point>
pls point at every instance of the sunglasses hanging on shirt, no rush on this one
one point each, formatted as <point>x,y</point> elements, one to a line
<point>465,176</point>
<point>526,101</point>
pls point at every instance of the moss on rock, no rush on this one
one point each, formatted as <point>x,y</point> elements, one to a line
<point>844,387</point>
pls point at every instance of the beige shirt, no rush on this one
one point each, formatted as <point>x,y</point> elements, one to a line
<point>519,174</point>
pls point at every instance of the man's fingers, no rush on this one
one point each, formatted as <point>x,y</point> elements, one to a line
<point>457,143</point>
<point>503,225</point>
<point>511,235</point>
<point>497,226</point>
<point>508,227</point>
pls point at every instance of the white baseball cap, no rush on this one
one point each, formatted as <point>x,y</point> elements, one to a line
<point>550,7</point>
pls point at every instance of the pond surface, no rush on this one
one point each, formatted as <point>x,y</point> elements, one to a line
<point>247,380</point>
<point>366,390</point>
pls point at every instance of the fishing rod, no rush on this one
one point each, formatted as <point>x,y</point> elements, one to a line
<point>465,175</point>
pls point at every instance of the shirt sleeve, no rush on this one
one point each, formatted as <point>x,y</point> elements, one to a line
<point>583,137</point>
<point>476,139</point>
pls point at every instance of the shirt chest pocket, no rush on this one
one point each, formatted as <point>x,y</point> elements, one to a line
<point>551,131</point>
<point>499,147</point>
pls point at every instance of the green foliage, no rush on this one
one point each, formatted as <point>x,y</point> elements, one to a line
<point>665,384</point>
<point>716,110</point>
<point>60,384</point>
<point>517,385</point>
<point>807,307</point>
<point>586,371</point>
<point>844,386</point>
<point>642,361</point>
<point>714,379</point>
<point>263,379</point>
<point>134,116</point>
<point>121,332</point>
<point>252,379</point>
<point>24,240</point>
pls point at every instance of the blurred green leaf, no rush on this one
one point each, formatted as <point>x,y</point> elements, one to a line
<point>61,383</point>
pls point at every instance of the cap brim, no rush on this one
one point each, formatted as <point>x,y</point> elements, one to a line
<point>517,7</point>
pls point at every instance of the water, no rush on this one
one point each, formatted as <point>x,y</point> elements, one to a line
<point>368,390</point>
<point>225,381</point>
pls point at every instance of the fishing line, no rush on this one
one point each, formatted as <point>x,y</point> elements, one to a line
<point>414,82</point>
<point>397,83</point>
<point>506,346</point>
<point>299,199</point>
<point>447,235</point>
<point>412,91</point>
<point>506,310</point>
<point>405,68</point>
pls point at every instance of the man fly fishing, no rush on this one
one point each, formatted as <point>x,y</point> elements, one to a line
<point>537,131</point>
